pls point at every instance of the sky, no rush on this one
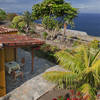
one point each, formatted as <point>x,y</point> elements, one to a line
<point>85,6</point>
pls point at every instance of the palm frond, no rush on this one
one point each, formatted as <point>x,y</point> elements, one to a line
<point>96,66</point>
<point>82,70</point>
<point>64,58</point>
<point>95,57</point>
<point>70,61</point>
<point>60,77</point>
<point>88,92</point>
<point>86,58</point>
<point>96,79</point>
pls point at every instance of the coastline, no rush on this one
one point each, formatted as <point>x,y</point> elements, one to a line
<point>75,33</point>
<point>69,32</point>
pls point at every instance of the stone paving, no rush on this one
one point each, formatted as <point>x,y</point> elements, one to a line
<point>40,65</point>
<point>31,90</point>
<point>33,85</point>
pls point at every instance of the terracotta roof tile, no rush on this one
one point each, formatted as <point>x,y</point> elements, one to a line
<point>7,30</point>
<point>18,40</point>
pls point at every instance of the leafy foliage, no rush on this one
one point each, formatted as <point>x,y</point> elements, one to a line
<point>76,43</point>
<point>2,15</point>
<point>27,18</point>
<point>45,34</point>
<point>18,23</point>
<point>23,23</point>
<point>55,8</point>
<point>47,51</point>
<point>49,23</point>
<point>10,16</point>
<point>82,68</point>
<point>94,44</point>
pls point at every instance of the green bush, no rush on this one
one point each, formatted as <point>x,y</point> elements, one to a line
<point>54,49</point>
<point>32,31</point>
<point>48,52</point>
<point>3,15</point>
<point>45,34</point>
<point>10,16</point>
<point>94,44</point>
<point>49,23</point>
<point>49,48</point>
<point>76,43</point>
<point>18,23</point>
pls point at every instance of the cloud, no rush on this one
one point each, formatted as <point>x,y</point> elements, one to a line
<point>22,5</point>
<point>17,5</point>
<point>7,1</point>
<point>88,6</point>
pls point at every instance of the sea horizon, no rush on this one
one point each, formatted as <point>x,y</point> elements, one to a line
<point>85,22</point>
<point>88,22</point>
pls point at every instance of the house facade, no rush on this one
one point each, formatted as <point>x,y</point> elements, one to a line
<point>6,55</point>
<point>9,42</point>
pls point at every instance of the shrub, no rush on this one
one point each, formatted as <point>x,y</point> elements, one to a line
<point>18,23</point>
<point>10,16</point>
<point>47,51</point>
<point>32,31</point>
<point>49,48</point>
<point>45,34</point>
<point>94,44</point>
<point>54,49</point>
<point>76,43</point>
<point>49,23</point>
<point>45,47</point>
<point>2,15</point>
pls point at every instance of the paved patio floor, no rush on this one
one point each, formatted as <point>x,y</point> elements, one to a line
<point>33,88</point>
<point>33,85</point>
<point>40,65</point>
<point>30,90</point>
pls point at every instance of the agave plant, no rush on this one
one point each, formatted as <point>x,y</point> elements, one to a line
<point>82,71</point>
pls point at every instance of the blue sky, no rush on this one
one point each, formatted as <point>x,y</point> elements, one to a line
<point>86,6</point>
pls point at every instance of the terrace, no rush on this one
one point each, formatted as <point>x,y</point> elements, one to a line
<point>9,45</point>
<point>40,65</point>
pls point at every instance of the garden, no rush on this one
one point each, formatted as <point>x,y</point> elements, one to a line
<point>80,58</point>
<point>80,80</point>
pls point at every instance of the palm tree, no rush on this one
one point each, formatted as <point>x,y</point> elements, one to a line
<point>82,71</point>
<point>27,18</point>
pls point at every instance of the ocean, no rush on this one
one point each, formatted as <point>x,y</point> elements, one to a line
<point>86,22</point>
<point>89,23</point>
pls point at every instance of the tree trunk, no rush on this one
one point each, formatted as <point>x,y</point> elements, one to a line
<point>27,30</point>
<point>65,27</point>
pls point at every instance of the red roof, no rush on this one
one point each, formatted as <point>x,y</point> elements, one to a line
<point>13,40</point>
<point>7,30</point>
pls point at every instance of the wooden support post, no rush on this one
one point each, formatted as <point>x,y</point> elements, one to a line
<point>32,59</point>
<point>15,54</point>
<point>2,74</point>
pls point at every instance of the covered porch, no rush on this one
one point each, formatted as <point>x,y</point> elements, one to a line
<point>40,65</point>
<point>9,45</point>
